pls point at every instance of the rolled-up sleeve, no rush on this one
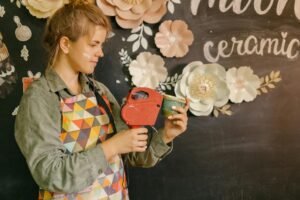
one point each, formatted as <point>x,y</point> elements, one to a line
<point>37,129</point>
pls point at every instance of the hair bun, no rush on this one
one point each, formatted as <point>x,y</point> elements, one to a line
<point>78,2</point>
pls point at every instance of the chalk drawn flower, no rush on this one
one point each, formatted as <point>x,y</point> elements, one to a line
<point>43,8</point>
<point>2,11</point>
<point>148,70</point>
<point>25,53</point>
<point>130,14</point>
<point>174,38</point>
<point>242,83</point>
<point>204,85</point>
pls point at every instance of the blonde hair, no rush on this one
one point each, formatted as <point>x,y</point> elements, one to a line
<point>73,21</point>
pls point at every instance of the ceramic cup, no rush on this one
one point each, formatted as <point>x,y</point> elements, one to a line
<point>170,101</point>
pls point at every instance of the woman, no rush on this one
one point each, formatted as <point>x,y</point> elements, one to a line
<point>68,126</point>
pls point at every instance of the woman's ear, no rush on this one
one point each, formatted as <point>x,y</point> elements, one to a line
<point>64,44</point>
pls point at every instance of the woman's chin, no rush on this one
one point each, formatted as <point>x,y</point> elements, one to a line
<point>90,70</point>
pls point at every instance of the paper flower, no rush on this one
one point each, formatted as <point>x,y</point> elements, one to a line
<point>43,8</point>
<point>204,85</point>
<point>242,83</point>
<point>148,70</point>
<point>131,13</point>
<point>174,38</point>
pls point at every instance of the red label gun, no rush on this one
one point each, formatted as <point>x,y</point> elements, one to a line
<point>141,107</point>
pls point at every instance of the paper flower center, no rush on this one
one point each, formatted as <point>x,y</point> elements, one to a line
<point>240,84</point>
<point>133,2</point>
<point>172,39</point>
<point>202,86</point>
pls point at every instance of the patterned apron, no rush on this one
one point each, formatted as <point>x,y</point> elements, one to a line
<point>85,124</point>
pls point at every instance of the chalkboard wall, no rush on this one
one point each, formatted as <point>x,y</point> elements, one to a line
<point>253,154</point>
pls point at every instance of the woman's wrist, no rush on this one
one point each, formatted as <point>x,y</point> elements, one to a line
<point>166,139</point>
<point>109,149</point>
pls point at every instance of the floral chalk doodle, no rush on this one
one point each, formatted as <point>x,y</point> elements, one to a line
<point>8,76</point>
<point>27,81</point>
<point>18,3</point>
<point>2,11</point>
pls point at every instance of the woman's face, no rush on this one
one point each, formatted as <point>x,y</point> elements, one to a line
<point>84,53</point>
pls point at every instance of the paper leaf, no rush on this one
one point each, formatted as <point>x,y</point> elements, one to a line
<point>194,6</point>
<point>136,46</point>
<point>148,30</point>
<point>171,7</point>
<point>216,113</point>
<point>132,37</point>
<point>137,29</point>
<point>277,74</point>
<point>267,79</point>
<point>270,85</point>
<point>144,43</point>
<point>177,1</point>
<point>264,90</point>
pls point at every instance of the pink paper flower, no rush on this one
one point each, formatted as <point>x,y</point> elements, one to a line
<point>132,13</point>
<point>174,38</point>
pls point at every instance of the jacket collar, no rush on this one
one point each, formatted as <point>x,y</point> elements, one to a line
<point>57,84</point>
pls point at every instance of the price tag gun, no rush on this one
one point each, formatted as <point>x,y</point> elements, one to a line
<point>141,107</point>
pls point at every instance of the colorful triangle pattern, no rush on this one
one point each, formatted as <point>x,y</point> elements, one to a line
<point>84,124</point>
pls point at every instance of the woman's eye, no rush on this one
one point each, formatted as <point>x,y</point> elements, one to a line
<point>96,45</point>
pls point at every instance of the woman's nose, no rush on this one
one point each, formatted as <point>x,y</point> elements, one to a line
<point>99,53</point>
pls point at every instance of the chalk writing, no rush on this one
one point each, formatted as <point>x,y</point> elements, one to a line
<point>253,45</point>
<point>239,6</point>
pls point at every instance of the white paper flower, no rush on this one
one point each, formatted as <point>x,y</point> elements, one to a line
<point>242,83</point>
<point>43,8</point>
<point>204,85</point>
<point>148,70</point>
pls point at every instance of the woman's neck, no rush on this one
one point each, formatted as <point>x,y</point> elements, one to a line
<point>69,76</point>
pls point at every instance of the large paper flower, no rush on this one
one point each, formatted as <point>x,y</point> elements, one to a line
<point>131,13</point>
<point>242,83</point>
<point>204,85</point>
<point>43,8</point>
<point>148,70</point>
<point>174,38</point>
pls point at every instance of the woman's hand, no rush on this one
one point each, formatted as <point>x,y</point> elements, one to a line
<point>176,124</point>
<point>131,140</point>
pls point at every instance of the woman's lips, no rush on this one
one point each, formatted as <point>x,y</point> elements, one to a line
<point>94,61</point>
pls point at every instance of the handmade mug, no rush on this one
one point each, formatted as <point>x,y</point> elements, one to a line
<point>170,101</point>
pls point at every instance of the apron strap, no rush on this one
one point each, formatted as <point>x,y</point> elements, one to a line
<point>101,101</point>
